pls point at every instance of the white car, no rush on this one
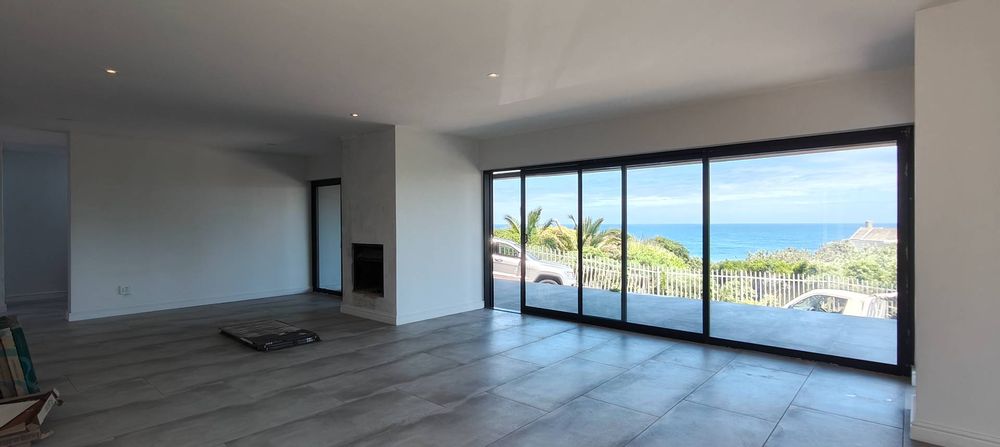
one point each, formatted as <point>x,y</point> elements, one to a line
<point>844,302</point>
<point>507,265</point>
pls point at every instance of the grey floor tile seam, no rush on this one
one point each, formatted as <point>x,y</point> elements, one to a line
<point>399,385</point>
<point>584,394</point>
<point>490,391</point>
<point>543,414</point>
<point>408,393</point>
<point>396,388</point>
<point>849,417</point>
<point>317,414</point>
<point>136,430</point>
<point>776,424</point>
<point>622,406</point>
<point>624,370</point>
<point>643,412</point>
<point>449,409</point>
<point>560,332</point>
<point>252,431</point>
<point>337,407</point>
<point>386,388</point>
<point>703,346</point>
<point>532,421</point>
<point>684,399</point>
<point>75,389</point>
<point>162,394</point>
<point>564,403</point>
<point>772,369</point>
<point>633,366</point>
<point>84,414</point>
<point>542,365</point>
<point>342,373</point>
<point>790,404</point>
<point>503,353</point>
<point>484,336</point>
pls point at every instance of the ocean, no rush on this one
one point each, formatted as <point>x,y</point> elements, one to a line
<point>736,241</point>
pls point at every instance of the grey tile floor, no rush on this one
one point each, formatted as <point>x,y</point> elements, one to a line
<point>478,378</point>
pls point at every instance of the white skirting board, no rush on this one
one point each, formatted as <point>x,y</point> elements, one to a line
<point>129,310</point>
<point>387,318</point>
<point>951,437</point>
<point>427,314</point>
<point>20,297</point>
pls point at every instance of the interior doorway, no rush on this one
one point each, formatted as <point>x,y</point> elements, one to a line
<point>327,250</point>
<point>35,227</point>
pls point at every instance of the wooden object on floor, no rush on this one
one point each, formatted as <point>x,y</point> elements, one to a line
<point>17,372</point>
<point>25,427</point>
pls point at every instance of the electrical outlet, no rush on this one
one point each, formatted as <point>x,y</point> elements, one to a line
<point>124,290</point>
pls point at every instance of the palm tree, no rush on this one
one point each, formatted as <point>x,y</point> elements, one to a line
<point>564,238</point>
<point>533,227</point>
<point>593,236</point>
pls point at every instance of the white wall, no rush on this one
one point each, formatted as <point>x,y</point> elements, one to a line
<point>369,217</point>
<point>439,240</point>
<point>35,220</point>
<point>957,224</point>
<point>327,164</point>
<point>182,225</point>
<point>328,227</point>
<point>864,101</point>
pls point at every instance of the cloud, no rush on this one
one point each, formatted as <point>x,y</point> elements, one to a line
<point>803,187</point>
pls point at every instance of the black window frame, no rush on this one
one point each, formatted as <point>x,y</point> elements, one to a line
<point>902,135</point>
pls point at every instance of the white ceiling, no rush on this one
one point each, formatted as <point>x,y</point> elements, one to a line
<point>245,73</point>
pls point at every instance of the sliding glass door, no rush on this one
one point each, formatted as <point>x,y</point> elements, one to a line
<point>505,243</point>
<point>601,236</point>
<point>804,251</point>
<point>550,257</point>
<point>664,203</point>
<point>798,246</point>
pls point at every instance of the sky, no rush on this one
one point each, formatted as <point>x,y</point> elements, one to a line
<point>843,186</point>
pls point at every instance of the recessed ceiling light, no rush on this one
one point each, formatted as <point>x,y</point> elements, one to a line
<point>111,71</point>
<point>493,75</point>
<point>354,115</point>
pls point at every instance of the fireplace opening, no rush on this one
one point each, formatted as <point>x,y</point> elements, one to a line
<point>368,269</point>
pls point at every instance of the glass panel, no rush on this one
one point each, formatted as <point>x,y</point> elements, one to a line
<point>602,243</point>
<point>550,265</point>
<point>506,244</point>
<point>328,248</point>
<point>664,206</point>
<point>803,251</point>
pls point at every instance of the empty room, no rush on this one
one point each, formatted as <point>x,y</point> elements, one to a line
<point>499,223</point>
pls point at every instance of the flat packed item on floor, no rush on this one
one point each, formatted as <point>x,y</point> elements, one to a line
<point>268,335</point>
<point>21,418</point>
<point>17,373</point>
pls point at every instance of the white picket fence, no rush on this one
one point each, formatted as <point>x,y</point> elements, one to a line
<point>770,289</point>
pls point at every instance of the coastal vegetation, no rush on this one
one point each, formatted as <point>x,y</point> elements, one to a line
<point>875,265</point>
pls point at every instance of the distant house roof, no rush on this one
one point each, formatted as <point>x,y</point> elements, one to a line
<point>870,233</point>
